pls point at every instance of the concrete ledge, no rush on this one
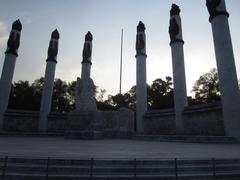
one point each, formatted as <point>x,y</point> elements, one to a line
<point>202,108</point>
<point>189,139</point>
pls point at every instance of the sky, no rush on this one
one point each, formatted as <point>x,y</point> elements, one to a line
<point>105,19</point>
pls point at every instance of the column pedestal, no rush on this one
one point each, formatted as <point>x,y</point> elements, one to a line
<point>141,93</point>
<point>6,84</point>
<point>180,94</point>
<point>46,101</point>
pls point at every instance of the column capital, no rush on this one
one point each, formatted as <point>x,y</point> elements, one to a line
<point>87,48</point>
<point>141,40</point>
<point>53,46</point>
<point>216,8</point>
<point>175,25</point>
<point>14,38</point>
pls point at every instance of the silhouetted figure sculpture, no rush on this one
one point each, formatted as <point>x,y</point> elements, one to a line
<point>53,46</point>
<point>174,28</point>
<point>86,54</point>
<point>140,41</point>
<point>14,38</point>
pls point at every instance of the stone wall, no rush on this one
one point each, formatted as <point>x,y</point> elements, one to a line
<point>198,120</point>
<point>159,122</point>
<point>57,122</point>
<point>19,120</point>
<point>113,123</point>
<point>204,120</point>
<point>100,124</point>
<point>118,123</point>
<point>27,121</point>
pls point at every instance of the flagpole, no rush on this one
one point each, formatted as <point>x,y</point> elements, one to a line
<point>120,88</point>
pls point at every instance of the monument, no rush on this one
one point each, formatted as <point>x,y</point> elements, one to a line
<point>11,55</point>
<point>141,86</point>
<point>86,122</point>
<point>46,100</point>
<point>85,88</point>
<point>225,66</point>
<point>180,94</point>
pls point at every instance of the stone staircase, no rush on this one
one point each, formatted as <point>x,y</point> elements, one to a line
<point>13,168</point>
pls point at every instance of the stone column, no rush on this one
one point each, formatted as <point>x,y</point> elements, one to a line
<point>8,67</point>
<point>85,90</point>
<point>180,94</point>
<point>225,66</point>
<point>141,87</point>
<point>46,100</point>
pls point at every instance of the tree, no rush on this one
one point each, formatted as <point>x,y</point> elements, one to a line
<point>28,96</point>
<point>71,93</point>
<point>100,94</point>
<point>127,100</point>
<point>22,96</point>
<point>206,88</point>
<point>60,100</point>
<point>160,94</point>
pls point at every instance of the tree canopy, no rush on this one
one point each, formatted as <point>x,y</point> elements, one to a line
<point>206,88</point>
<point>160,94</point>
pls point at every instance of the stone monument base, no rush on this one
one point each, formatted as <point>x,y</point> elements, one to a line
<point>100,124</point>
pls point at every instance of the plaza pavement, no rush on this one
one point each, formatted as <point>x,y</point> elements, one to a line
<point>58,147</point>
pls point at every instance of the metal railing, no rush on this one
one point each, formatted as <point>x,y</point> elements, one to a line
<point>176,167</point>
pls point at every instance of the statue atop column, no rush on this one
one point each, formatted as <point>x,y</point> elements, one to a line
<point>140,39</point>
<point>87,51</point>
<point>14,38</point>
<point>53,46</point>
<point>174,29</point>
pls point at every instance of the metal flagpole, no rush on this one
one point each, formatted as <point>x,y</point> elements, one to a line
<point>120,88</point>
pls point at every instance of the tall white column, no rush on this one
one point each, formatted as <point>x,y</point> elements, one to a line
<point>85,90</point>
<point>141,87</point>
<point>180,94</point>
<point>8,67</point>
<point>46,100</point>
<point>225,66</point>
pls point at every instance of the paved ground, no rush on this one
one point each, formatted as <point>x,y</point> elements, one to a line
<point>59,147</point>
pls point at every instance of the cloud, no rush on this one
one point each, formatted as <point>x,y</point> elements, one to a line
<point>3,34</point>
